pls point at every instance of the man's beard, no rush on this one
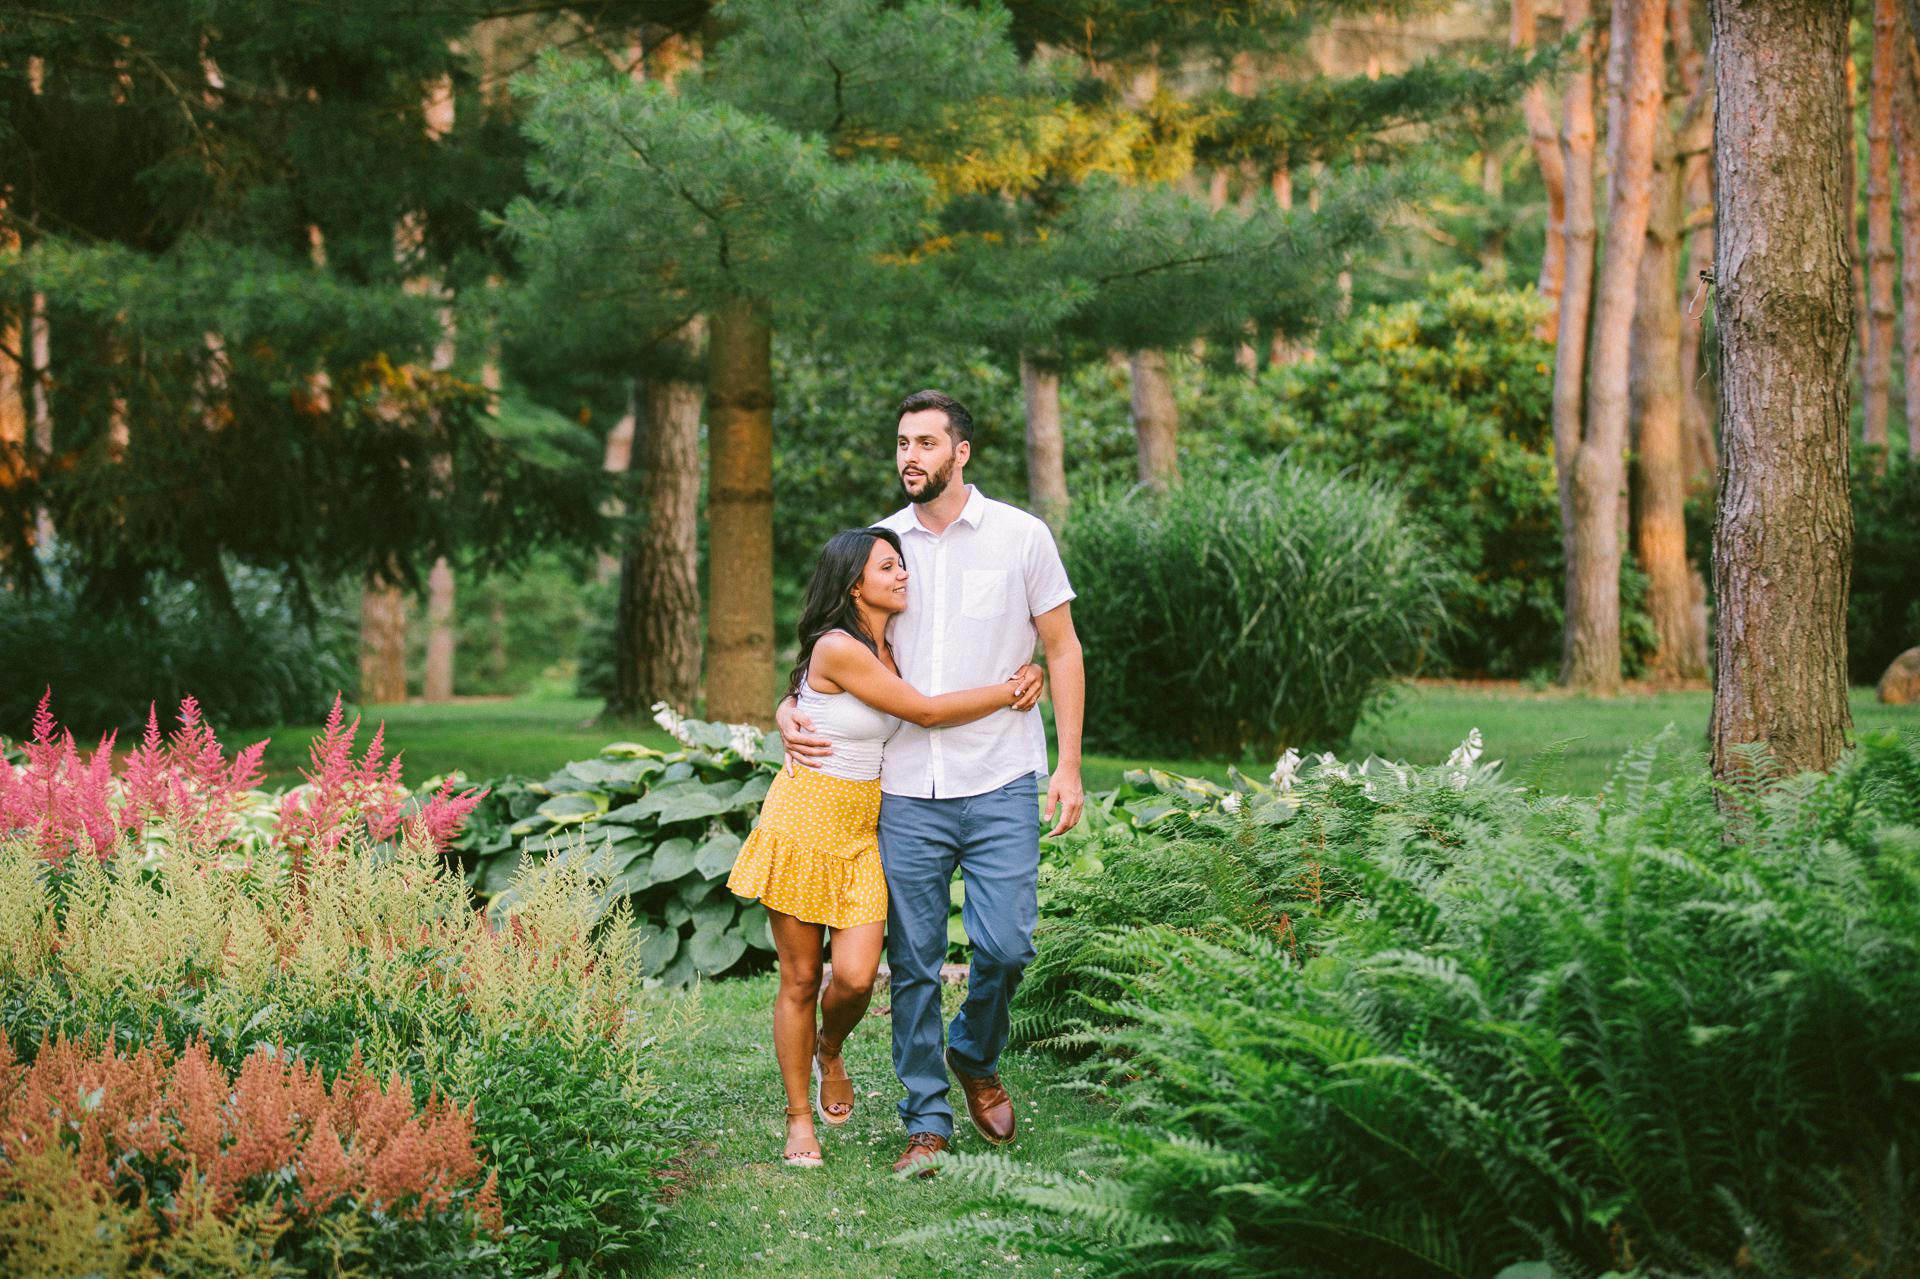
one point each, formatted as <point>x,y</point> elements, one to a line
<point>936,484</point>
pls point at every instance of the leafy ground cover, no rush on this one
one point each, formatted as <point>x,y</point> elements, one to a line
<point>737,1211</point>
<point>534,736</point>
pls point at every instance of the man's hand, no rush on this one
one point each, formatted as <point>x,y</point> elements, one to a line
<point>1028,683</point>
<point>1066,794</point>
<point>797,736</point>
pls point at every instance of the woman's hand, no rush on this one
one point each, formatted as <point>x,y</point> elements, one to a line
<point>1028,683</point>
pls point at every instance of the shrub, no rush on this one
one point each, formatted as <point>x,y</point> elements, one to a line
<point>1270,610</point>
<point>1883,612</point>
<point>142,1152</point>
<point>272,659</point>
<point>1449,396</point>
<point>1621,1037</point>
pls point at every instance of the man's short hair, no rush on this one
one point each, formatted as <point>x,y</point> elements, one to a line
<point>959,421</point>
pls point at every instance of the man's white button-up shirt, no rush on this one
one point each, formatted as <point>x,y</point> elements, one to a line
<point>972,594</point>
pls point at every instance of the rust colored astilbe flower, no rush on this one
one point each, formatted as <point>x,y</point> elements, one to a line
<point>274,1144</point>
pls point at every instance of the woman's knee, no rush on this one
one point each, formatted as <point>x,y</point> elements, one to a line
<point>800,981</point>
<point>850,984</point>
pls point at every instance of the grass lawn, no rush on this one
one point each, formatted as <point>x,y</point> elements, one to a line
<point>738,1211</point>
<point>1421,724</point>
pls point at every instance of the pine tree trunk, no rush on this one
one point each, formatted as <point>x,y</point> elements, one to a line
<point>1598,470</point>
<point>14,381</point>
<point>1659,454</point>
<point>1906,145</point>
<point>1877,340</point>
<point>1697,406</point>
<point>40,357</point>
<point>1852,149</point>
<point>437,683</point>
<point>383,644</point>
<point>740,681</point>
<point>1156,420</point>
<point>1576,296</point>
<point>1536,107</point>
<point>1046,447</point>
<point>1783,540</point>
<point>616,460</point>
<point>657,629</point>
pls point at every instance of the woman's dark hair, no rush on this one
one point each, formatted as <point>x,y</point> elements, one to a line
<point>830,605</point>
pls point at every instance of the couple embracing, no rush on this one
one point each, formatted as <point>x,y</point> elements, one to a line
<point>913,748</point>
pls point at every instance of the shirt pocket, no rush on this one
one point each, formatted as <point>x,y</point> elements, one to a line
<point>983,593</point>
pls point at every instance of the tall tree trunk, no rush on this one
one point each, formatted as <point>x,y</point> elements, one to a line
<point>616,460</point>
<point>1906,145</point>
<point>383,644</point>
<point>1046,447</point>
<point>740,682</point>
<point>1536,106</point>
<point>657,628</point>
<point>1783,540</point>
<point>15,379</point>
<point>1493,249</point>
<point>1156,420</point>
<point>1659,453</point>
<point>1577,235</point>
<point>1877,341</point>
<point>1698,404</point>
<point>437,682</point>
<point>1853,215</point>
<point>40,358</point>
<point>1595,470</point>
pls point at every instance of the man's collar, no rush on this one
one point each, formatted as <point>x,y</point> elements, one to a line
<point>907,518</point>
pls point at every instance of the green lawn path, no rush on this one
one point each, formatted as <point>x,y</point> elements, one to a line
<point>738,1211</point>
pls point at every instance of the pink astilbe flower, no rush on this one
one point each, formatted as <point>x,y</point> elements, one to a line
<point>190,781</point>
<point>342,792</point>
<point>58,795</point>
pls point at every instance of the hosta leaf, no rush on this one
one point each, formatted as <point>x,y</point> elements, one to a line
<point>714,950</point>
<point>658,946</point>
<point>716,856</point>
<point>626,774</point>
<point>672,859</point>
<point>678,914</point>
<point>497,873</point>
<point>629,750</point>
<point>681,971</point>
<point>753,791</point>
<point>693,806</point>
<point>577,807</point>
<point>677,771</point>
<point>529,826</point>
<point>693,892</point>
<point>715,913</point>
<point>633,878</point>
<point>755,927</point>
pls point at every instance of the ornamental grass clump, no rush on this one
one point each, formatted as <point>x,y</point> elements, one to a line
<point>1631,1036</point>
<point>142,1160</point>
<point>1260,611</point>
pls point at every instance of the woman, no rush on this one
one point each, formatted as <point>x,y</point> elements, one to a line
<point>813,859</point>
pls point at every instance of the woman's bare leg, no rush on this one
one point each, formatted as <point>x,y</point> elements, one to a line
<point>856,958</point>
<point>798,945</point>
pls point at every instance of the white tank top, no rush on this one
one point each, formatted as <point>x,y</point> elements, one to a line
<point>858,732</point>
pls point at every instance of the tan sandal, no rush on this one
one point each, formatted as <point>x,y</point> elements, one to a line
<point>842,1092</point>
<point>807,1156</point>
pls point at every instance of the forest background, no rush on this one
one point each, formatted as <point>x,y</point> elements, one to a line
<point>538,347</point>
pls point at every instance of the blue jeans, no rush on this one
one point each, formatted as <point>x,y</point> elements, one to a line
<point>994,841</point>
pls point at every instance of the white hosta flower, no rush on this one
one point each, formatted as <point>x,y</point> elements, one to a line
<point>1464,756</point>
<point>675,723</point>
<point>1286,770</point>
<point>744,739</point>
<point>1231,803</point>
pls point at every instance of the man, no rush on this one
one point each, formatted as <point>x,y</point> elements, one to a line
<point>986,582</point>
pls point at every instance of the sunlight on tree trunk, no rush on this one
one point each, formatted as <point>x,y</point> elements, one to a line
<point>1906,145</point>
<point>1783,540</point>
<point>1156,420</point>
<point>1536,107</point>
<point>383,644</point>
<point>1597,465</point>
<point>1576,297</point>
<point>1046,450</point>
<point>1877,340</point>
<point>740,681</point>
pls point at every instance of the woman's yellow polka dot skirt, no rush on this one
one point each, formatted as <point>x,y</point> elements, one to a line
<point>815,853</point>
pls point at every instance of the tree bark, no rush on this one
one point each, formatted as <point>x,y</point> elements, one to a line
<point>616,460</point>
<point>657,628</point>
<point>1597,465</point>
<point>740,681</point>
<point>1659,453</point>
<point>1156,420</point>
<point>1577,237</point>
<point>1697,408</point>
<point>1046,447</point>
<point>1536,108</point>
<point>1783,540</point>
<point>1876,365</point>
<point>1906,145</point>
<point>1851,145</point>
<point>437,684</point>
<point>383,644</point>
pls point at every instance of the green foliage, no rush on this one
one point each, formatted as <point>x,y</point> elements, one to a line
<point>1564,1037</point>
<point>658,830</point>
<point>269,658</point>
<point>1272,608</point>
<point>1883,612</point>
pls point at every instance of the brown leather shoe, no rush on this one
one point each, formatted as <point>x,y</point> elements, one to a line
<point>987,1104</point>
<point>921,1148</point>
